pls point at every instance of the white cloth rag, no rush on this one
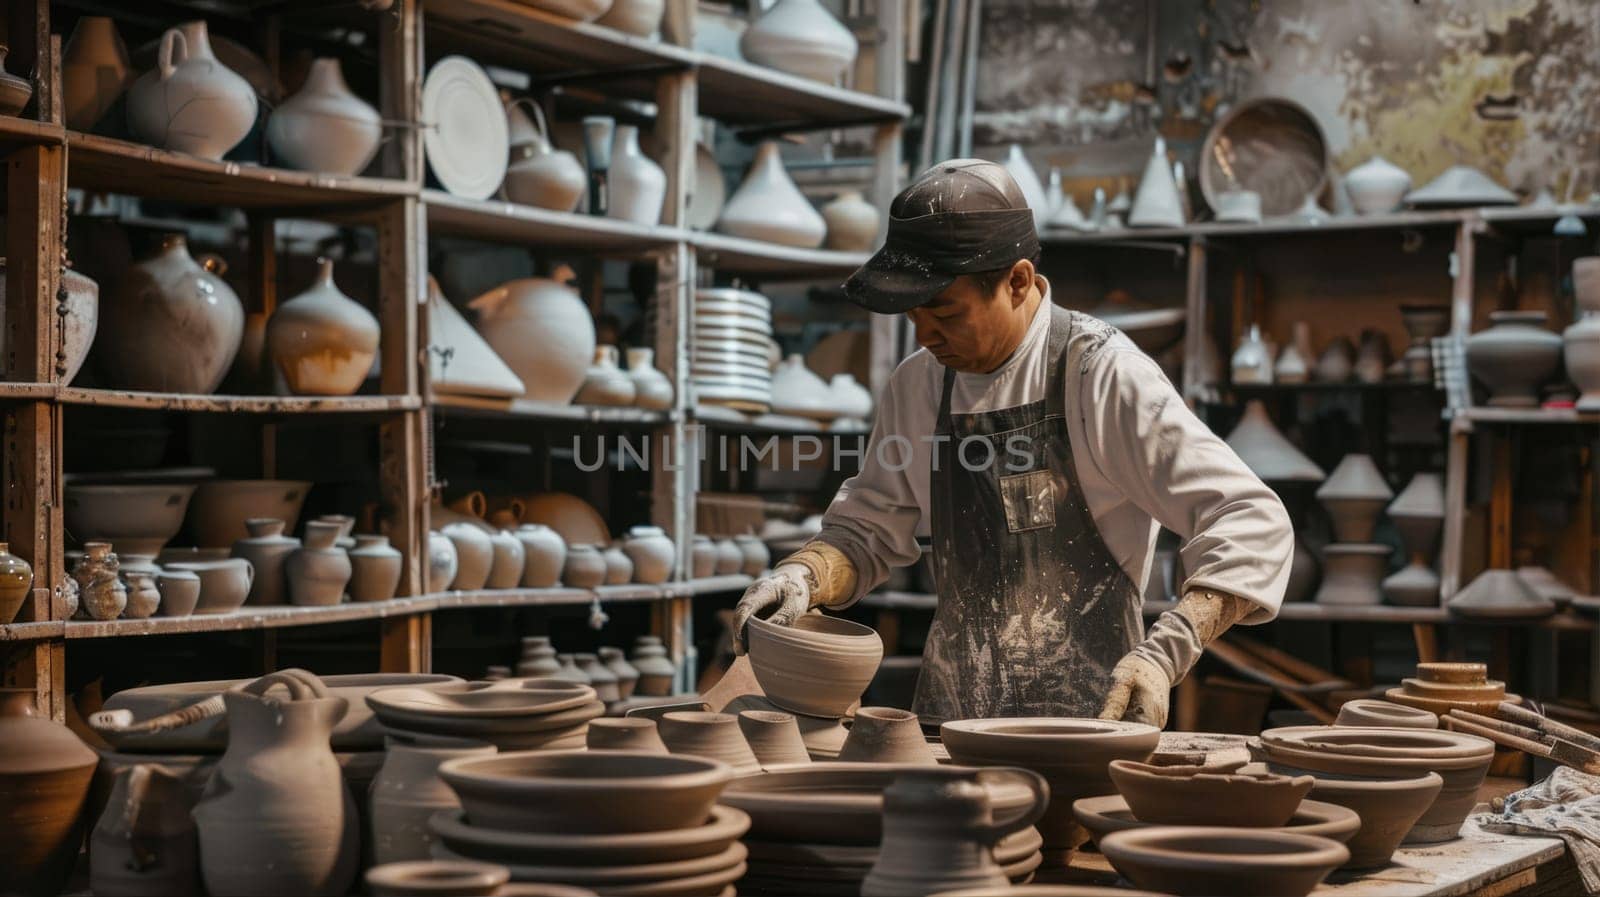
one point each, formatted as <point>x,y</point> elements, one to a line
<point>1566,804</point>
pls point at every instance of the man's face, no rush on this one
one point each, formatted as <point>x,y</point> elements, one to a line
<point>970,329</point>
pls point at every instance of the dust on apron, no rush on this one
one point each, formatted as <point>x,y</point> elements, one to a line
<point>1034,611</point>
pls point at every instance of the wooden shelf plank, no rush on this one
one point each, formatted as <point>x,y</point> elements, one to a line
<point>559,596</point>
<point>250,618</point>
<point>15,132</point>
<point>710,585</point>
<point>117,166</point>
<point>1284,227</point>
<point>235,404</point>
<point>742,94</point>
<point>1483,414</point>
<point>770,261</point>
<point>719,417</point>
<point>506,222</point>
<point>483,406</point>
<point>26,392</point>
<point>25,632</point>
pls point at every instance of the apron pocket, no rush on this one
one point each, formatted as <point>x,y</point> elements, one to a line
<point>1030,500</point>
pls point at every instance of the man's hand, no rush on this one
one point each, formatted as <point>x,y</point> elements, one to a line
<point>1140,692</point>
<point>779,599</point>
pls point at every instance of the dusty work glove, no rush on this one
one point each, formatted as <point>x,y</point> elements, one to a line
<point>779,598</point>
<point>1140,692</point>
<point>1142,681</point>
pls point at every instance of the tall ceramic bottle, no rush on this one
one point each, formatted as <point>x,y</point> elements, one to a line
<point>638,186</point>
<point>171,326</point>
<point>94,71</point>
<point>322,341</point>
<point>769,207</point>
<point>276,817</point>
<point>45,772</point>
<point>325,127</point>
<point>190,102</point>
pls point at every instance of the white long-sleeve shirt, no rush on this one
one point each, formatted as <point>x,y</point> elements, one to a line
<point>1143,461</point>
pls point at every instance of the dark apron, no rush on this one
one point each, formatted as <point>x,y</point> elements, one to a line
<point>1034,611</point>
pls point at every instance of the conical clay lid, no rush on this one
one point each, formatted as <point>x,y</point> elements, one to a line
<point>1500,593</point>
<point>1422,497</point>
<point>1356,477</point>
<point>1268,452</point>
<point>1156,203</point>
<point>459,361</point>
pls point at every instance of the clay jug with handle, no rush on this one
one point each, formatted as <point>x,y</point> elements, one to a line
<point>939,831</point>
<point>144,843</point>
<point>190,102</point>
<point>276,816</point>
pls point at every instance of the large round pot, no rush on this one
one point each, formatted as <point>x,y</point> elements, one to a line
<point>574,519</point>
<point>544,556</point>
<point>852,222</point>
<point>1514,357</point>
<point>94,71</point>
<point>1388,809</point>
<point>375,568</point>
<point>137,518</point>
<point>818,666</point>
<point>79,316</point>
<point>221,507</point>
<point>267,549</point>
<point>652,552</point>
<point>170,326</point>
<point>322,341</point>
<point>1353,574</point>
<point>1376,186</point>
<point>543,331</point>
<point>45,772</point>
<point>768,206</point>
<point>190,102</point>
<point>474,555</point>
<point>325,127</point>
<point>802,38</point>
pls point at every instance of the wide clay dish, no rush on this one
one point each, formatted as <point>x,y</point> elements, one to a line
<point>1372,713</point>
<point>488,700</point>
<point>1072,755</point>
<point>725,826</point>
<point>1190,795</point>
<point>818,666</point>
<point>1048,891</point>
<point>1198,861</point>
<point>1017,854</point>
<point>1109,813</point>
<point>1388,809</point>
<point>587,792</point>
<point>624,874</point>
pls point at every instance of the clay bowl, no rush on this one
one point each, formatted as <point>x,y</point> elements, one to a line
<point>1072,755</point>
<point>1199,860</point>
<point>1048,891</point>
<point>421,878</point>
<point>1388,809</point>
<point>628,872</point>
<point>504,698</point>
<point>818,666</point>
<point>586,792</point>
<point>725,826</point>
<point>842,803</point>
<point>562,730</point>
<point>1442,707</point>
<point>1490,690</point>
<point>220,508</point>
<point>705,734</point>
<point>136,518</point>
<point>1191,795</point>
<point>624,733</point>
<point>1372,713</point>
<point>1380,742</point>
<point>1109,813</point>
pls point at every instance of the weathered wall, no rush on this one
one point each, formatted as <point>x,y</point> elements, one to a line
<point>1512,86</point>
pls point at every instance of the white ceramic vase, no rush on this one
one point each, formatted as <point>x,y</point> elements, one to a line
<point>325,127</point>
<point>322,341</point>
<point>1581,349</point>
<point>605,383</point>
<point>1376,186</point>
<point>769,207</point>
<point>852,223</point>
<point>849,397</point>
<point>652,552</point>
<point>637,186</point>
<point>652,389</point>
<point>190,102</point>
<point>799,392</point>
<point>1252,361</point>
<point>543,331</point>
<point>94,71</point>
<point>171,326</point>
<point>1022,171</point>
<point>800,37</point>
<point>540,175</point>
<point>639,18</point>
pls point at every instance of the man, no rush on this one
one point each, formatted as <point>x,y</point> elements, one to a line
<point>1042,449</point>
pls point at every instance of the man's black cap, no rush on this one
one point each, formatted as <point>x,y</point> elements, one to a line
<point>960,217</point>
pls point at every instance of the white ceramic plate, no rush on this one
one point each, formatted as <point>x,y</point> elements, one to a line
<point>736,331</point>
<point>736,296</point>
<point>731,310</point>
<point>717,392</point>
<point>709,190</point>
<point>751,356</point>
<point>465,132</point>
<point>730,370</point>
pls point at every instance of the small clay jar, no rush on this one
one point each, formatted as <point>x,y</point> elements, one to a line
<point>101,593</point>
<point>886,735</point>
<point>180,592</point>
<point>703,557</point>
<point>656,671</point>
<point>509,558</point>
<point>16,580</point>
<point>266,548</point>
<point>585,567</point>
<point>652,551</point>
<point>569,670</point>
<point>544,556</point>
<point>756,557</point>
<point>730,558</point>
<point>347,525</point>
<point>375,567</point>
<point>602,679</point>
<point>715,736</point>
<point>624,733</point>
<point>441,562</point>
<point>319,570</point>
<point>474,555</point>
<point>774,737</point>
<point>617,663</point>
<point>619,567</point>
<point>538,660</point>
<point>143,596</point>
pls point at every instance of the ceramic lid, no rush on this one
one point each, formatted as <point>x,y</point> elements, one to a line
<point>1461,185</point>
<point>1266,451</point>
<point>1422,497</point>
<point>1356,477</point>
<point>1500,593</point>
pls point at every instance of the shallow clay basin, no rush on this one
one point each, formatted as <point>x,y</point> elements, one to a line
<point>1109,813</point>
<point>1372,713</point>
<point>1072,755</point>
<point>1199,860</point>
<point>489,845</point>
<point>1047,891</point>
<point>818,666</point>
<point>586,792</point>
<point>1193,795</point>
<point>487,700</point>
<point>1388,809</point>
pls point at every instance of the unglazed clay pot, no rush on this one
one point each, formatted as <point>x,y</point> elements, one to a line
<point>1376,186</point>
<point>171,326</point>
<point>180,592</point>
<point>102,595</point>
<point>768,206</point>
<point>408,791</point>
<point>219,509</point>
<point>1514,357</point>
<point>276,817</point>
<point>585,567</point>
<point>442,562</point>
<point>1371,713</point>
<point>94,71</point>
<point>604,383</point>
<point>16,581</point>
<point>1195,795</point>
<point>730,557</point>
<point>322,341</point>
<point>1581,349</point>
<point>569,670</point>
<point>652,552</point>
<point>450,878</point>
<point>1337,362</point>
<point>1418,513</point>
<point>319,570</point>
<point>639,18</point>
<point>1423,323</point>
<point>144,843</point>
<point>544,555</point>
<point>703,557</point>
<point>45,772</point>
<point>1388,809</point>
<point>637,185</point>
<point>802,38</point>
<point>1110,813</point>
<point>1201,860</point>
<point>601,679</point>
<point>325,127</point>
<point>143,596</point>
<point>543,331</point>
<point>538,659</point>
<point>190,102</point>
<point>756,554</point>
<point>1265,450</point>
<point>224,584</point>
<point>79,316</point>
<point>540,175</point>
<point>886,735</point>
<point>852,223</point>
<point>852,399</point>
<point>375,567</point>
<point>939,832</point>
<point>818,666</point>
<point>773,736</point>
<point>505,572</point>
<point>474,555</point>
<point>617,663</point>
<point>656,670</point>
<point>624,733</point>
<point>1354,494</point>
<point>652,389</point>
<point>715,736</point>
<point>1072,754</point>
<point>266,548</point>
<point>1351,573</point>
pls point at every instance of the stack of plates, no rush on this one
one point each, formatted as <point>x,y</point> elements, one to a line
<point>729,360</point>
<point>617,822</point>
<point>511,714</point>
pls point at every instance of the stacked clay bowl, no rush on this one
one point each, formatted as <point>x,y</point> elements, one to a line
<point>511,714</point>
<point>1072,755</point>
<point>1384,714</point>
<point>815,829</point>
<point>1441,687</point>
<point>620,823</point>
<point>1336,752</point>
<point>1206,860</point>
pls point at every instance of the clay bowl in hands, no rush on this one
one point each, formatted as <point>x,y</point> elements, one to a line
<point>818,666</point>
<point>1190,795</point>
<point>1372,713</point>
<point>1109,813</point>
<point>1388,809</point>
<point>1201,860</point>
<point>725,826</point>
<point>586,792</point>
